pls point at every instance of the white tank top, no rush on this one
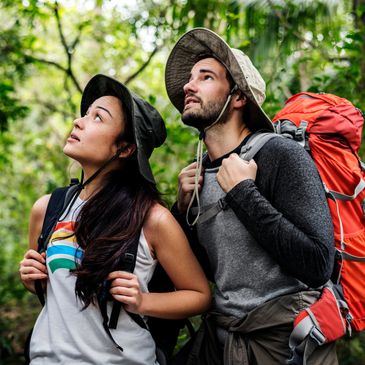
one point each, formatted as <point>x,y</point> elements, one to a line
<point>66,334</point>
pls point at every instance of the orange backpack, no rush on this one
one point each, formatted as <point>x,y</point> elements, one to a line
<point>330,128</point>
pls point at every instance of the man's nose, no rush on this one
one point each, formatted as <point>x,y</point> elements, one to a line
<point>190,87</point>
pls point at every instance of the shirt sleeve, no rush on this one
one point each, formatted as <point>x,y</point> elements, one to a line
<point>286,211</point>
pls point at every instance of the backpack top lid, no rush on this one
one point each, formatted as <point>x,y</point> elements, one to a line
<point>325,114</point>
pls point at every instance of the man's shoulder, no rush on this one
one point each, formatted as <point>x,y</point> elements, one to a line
<point>283,154</point>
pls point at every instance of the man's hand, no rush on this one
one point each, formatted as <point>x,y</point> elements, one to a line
<point>186,186</point>
<point>234,170</point>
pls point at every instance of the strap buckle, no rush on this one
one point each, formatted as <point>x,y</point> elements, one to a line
<point>222,204</point>
<point>317,336</point>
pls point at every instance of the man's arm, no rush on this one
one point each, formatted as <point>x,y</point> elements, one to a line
<point>285,209</point>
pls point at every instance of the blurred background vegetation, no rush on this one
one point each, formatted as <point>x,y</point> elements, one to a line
<point>49,50</point>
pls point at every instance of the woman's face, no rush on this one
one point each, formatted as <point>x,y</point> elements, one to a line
<point>93,137</point>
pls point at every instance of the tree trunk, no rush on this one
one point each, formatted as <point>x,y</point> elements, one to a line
<point>359,20</point>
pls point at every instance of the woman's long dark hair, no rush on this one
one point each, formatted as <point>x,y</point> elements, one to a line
<point>109,222</point>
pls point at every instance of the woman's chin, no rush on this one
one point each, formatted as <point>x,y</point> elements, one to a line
<point>68,152</point>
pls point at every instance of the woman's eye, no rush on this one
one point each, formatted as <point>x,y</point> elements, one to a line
<point>208,77</point>
<point>98,118</point>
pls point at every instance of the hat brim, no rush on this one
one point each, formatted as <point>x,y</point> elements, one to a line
<point>101,85</point>
<point>187,51</point>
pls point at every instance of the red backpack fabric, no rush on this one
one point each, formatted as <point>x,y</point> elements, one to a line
<point>332,128</point>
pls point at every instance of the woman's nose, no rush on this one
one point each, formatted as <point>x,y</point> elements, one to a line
<point>78,122</point>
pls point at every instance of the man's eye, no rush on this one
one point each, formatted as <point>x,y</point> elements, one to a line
<point>208,77</point>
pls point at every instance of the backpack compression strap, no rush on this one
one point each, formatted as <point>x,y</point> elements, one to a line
<point>325,321</point>
<point>248,152</point>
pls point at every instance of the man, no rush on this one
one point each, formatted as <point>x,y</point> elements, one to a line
<point>268,244</point>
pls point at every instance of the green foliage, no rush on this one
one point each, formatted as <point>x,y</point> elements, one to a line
<point>49,49</point>
<point>351,350</point>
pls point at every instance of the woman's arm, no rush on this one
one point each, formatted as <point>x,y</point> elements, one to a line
<point>169,245</point>
<point>33,267</point>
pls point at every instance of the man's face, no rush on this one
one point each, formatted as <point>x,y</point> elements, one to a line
<point>205,94</point>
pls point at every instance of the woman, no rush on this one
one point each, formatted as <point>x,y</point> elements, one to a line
<point>118,205</point>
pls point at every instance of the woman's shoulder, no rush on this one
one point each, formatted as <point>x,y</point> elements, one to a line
<point>36,219</point>
<point>158,215</point>
<point>159,222</point>
<point>39,207</point>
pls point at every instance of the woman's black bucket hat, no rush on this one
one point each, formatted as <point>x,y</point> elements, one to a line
<point>148,126</point>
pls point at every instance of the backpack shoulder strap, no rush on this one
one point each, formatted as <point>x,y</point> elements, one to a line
<point>59,200</point>
<point>127,263</point>
<point>255,143</point>
<point>248,152</point>
<point>54,206</point>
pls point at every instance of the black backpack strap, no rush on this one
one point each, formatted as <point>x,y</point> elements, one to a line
<point>165,332</point>
<point>58,202</point>
<point>54,206</point>
<point>127,263</point>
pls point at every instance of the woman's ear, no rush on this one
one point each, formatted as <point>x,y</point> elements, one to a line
<point>127,150</point>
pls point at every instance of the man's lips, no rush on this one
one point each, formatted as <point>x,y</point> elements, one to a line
<point>191,100</point>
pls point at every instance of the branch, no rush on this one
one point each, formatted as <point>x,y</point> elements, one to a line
<point>43,60</point>
<point>135,74</point>
<point>72,105</point>
<point>60,30</point>
<point>68,50</point>
<point>74,80</point>
<point>162,15</point>
<point>76,41</point>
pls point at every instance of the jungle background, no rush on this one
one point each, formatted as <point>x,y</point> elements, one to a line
<point>49,50</point>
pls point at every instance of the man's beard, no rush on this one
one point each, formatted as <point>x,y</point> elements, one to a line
<point>206,115</point>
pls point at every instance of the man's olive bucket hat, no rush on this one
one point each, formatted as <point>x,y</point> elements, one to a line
<point>148,126</point>
<point>200,41</point>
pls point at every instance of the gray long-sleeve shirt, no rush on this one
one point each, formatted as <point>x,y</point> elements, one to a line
<point>286,212</point>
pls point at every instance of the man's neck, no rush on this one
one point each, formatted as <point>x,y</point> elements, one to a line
<point>223,138</point>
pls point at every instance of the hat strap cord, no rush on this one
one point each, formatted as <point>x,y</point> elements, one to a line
<point>97,172</point>
<point>229,97</point>
<point>199,160</point>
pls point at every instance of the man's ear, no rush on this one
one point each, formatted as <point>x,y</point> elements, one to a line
<point>239,99</point>
<point>127,150</point>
